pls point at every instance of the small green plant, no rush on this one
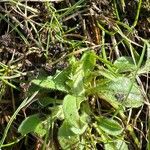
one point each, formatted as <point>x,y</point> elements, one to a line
<point>85,82</point>
<point>99,99</point>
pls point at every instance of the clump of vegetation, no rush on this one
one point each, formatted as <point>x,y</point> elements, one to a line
<point>74,74</point>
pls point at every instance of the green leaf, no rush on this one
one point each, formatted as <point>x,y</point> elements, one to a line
<point>57,113</point>
<point>116,145</point>
<point>145,68</point>
<point>121,145</point>
<point>125,64</point>
<point>29,124</point>
<point>66,137</point>
<point>106,73</point>
<point>53,113</point>
<point>45,82</point>
<point>79,72</point>
<point>80,130</point>
<point>121,88</point>
<point>58,82</point>
<point>109,126</point>
<point>71,105</point>
<point>89,61</point>
<point>75,81</point>
<point>109,146</point>
<point>45,101</point>
<point>115,92</point>
<point>60,79</point>
<point>40,130</point>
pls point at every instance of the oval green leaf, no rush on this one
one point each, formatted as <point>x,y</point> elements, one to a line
<point>109,126</point>
<point>29,124</point>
